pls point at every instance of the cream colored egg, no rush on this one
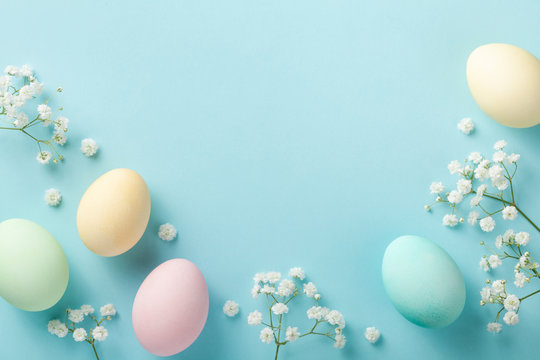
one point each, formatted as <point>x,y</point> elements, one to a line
<point>505,82</point>
<point>114,212</point>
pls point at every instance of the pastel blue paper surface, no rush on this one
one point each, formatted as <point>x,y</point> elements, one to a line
<point>271,134</point>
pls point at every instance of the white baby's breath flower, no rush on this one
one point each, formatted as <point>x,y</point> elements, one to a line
<point>487,224</point>
<point>498,288</point>
<point>87,309</point>
<point>485,293</point>
<point>260,277</point>
<point>266,335</point>
<point>455,197</point>
<point>450,220</point>
<point>44,113</point>
<point>520,279</point>
<point>100,333</point>
<point>26,71</point>
<point>53,197</point>
<point>285,288</point>
<point>79,334</point>
<point>44,157</point>
<point>292,334</point>
<point>436,187</point>
<point>280,308</point>
<point>499,156</point>
<point>273,277</point>
<point>255,291</point>
<point>297,272</point>
<point>466,125</point>
<point>494,327</point>
<point>267,290</point>
<point>499,242</point>
<point>59,137</point>
<point>339,341</point>
<point>522,238</point>
<point>473,217</point>
<point>455,167</point>
<point>499,145</point>
<point>254,318</point>
<point>21,120</point>
<point>107,310</point>
<point>475,157</point>
<point>89,147</point>
<point>509,213</point>
<point>511,318</point>
<point>464,186</point>
<point>309,289</point>
<point>511,303</point>
<point>317,312</point>
<point>76,316</point>
<point>334,317</point>
<point>57,328</point>
<point>231,308</point>
<point>12,70</point>
<point>484,263</point>
<point>494,261</point>
<point>372,334</point>
<point>61,124</point>
<point>317,297</point>
<point>512,158</point>
<point>167,232</point>
<point>475,200</point>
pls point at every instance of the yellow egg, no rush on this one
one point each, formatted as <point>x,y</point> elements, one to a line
<point>505,82</point>
<point>114,212</point>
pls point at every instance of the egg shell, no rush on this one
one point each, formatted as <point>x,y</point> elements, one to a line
<point>170,308</point>
<point>114,212</point>
<point>505,82</point>
<point>34,271</point>
<point>423,282</point>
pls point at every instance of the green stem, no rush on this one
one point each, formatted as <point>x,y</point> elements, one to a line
<point>95,352</point>
<point>277,351</point>
<point>517,208</point>
<point>531,294</point>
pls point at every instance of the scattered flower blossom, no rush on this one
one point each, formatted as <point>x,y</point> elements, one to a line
<point>167,232</point>
<point>372,334</point>
<point>89,147</point>
<point>231,308</point>
<point>466,125</point>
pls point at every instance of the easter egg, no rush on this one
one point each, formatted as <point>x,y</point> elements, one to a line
<point>34,271</point>
<point>170,308</point>
<point>423,282</point>
<point>505,83</point>
<point>113,212</point>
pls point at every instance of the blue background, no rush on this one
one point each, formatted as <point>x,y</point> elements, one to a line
<point>271,134</point>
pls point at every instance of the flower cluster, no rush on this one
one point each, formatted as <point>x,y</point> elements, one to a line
<point>77,316</point>
<point>17,87</point>
<point>279,293</point>
<point>481,178</point>
<point>491,180</point>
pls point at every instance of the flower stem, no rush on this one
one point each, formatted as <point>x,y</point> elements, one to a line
<point>531,294</point>
<point>277,351</point>
<point>95,352</point>
<point>517,208</point>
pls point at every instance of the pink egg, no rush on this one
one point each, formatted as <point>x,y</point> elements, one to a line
<point>170,308</point>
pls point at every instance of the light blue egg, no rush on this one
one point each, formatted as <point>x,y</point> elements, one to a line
<point>423,282</point>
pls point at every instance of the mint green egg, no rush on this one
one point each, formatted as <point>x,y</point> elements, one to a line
<point>423,282</point>
<point>34,271</point>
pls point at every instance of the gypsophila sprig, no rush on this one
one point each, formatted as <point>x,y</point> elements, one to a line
<point>73,320</point>
<point>279,294</point>
<point>488,182</point>
<point>17,87</point>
